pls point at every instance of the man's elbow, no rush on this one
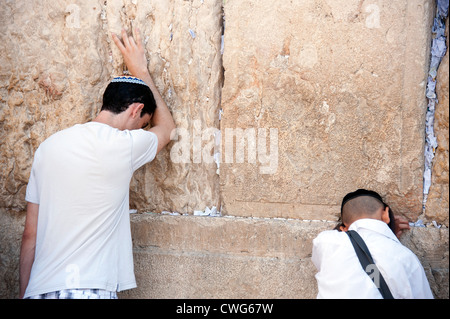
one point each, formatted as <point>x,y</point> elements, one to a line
<point>165,134</point>
<point>29,236</point>
<point>170,132</point>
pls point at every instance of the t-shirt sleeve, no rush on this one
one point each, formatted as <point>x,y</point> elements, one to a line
<point>32,192</point>
<point>144,147</point>
<point>324,246</point>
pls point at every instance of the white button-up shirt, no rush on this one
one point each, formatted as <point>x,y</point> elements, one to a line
<point>340,274</point>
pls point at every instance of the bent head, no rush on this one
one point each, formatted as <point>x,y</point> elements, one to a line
<point>131,95</point>
<point>364,204</point>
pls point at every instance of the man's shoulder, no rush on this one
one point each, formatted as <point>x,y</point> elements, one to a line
<point>79,131</point>
<point>329,236</point>
<point>142,133</point>
<point>58,134</point>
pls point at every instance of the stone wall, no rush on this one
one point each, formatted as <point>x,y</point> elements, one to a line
<point>54,73</point>
<point>313,99</point>
<point>343,83</point>
<point>232,257</point>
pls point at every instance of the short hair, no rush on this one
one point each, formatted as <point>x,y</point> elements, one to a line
<point>363,193</point>
<point>118,96</point>
<point>361,206</point>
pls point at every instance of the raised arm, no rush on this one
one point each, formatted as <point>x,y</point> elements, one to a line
<point>133,53</point>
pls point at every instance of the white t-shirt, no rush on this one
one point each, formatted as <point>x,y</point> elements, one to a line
<point>341,276</point>
<point>80,178</point>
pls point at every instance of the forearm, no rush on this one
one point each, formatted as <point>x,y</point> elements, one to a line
<point>26,262</point>
<point>134,57</point>
<point>28,247</point>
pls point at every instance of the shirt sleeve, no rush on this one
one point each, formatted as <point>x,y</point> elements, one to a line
<point>144,147</point>
<point>316,257</point>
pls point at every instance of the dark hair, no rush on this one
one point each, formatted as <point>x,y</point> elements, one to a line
<point>364,192</point>
<point>119,96</point>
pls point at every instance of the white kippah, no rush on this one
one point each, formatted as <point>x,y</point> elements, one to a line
<point>128,79</point>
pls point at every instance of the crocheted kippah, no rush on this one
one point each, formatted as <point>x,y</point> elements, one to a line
<point>128,79</point>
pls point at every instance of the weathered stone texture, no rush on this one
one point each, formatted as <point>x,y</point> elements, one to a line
<point>223,257</point>
<point>201,257</point>
<point>431,247</point>
<point>232,257</point>
<point>58,57</point>
<point>344,84</point>
<point>11,229</point>
<point>437,202</point>
<point>183,42</point>
<point>51,77</point>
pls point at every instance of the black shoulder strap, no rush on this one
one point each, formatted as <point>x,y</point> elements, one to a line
<point>366,260</point>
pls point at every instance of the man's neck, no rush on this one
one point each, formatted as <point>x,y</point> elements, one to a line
<point>109,118</point>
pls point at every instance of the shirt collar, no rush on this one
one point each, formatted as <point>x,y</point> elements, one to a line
<point>374,225</point>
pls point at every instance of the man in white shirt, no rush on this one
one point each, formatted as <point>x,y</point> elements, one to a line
<point>77,240</point>
<point>340,274</point>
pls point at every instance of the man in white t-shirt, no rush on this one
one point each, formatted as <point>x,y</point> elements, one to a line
<point>340,273</point>
<point>77,240</point>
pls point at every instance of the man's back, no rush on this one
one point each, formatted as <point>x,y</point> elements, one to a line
<point>80,179</point>
<point>340,272</point>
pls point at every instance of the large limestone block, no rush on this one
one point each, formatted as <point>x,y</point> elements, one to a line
<point>51,77</point>
<point>342,86</point>
<point>11,229</point>
<point>431,247</point>
<point>260,237</point>
<point>222,257</point>
<point>57,58</point>
<point>437,206</point>
<point>203,257</point>
<point>184,275</point>
<point>183,41</point>
<point>236,257</point>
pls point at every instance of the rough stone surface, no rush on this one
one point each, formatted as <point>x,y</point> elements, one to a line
<point>344,83</point>
<point>57,58</point>
<point>51,77</point>
<point>431,247</point>
<point>437,202</point>
<point>11,229</point>
<point>226,257</point>
<point>231,257</point>
<point>184,39</point>
<point>201,257</point>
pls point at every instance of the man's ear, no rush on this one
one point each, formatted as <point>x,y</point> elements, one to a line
<point>136,109</point>
<point>385,215</point>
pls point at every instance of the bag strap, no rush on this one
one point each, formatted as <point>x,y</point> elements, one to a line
<point>366,260</point>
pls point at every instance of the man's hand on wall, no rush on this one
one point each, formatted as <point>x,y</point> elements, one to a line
<point>133,53</point>
<point>401,224</point>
